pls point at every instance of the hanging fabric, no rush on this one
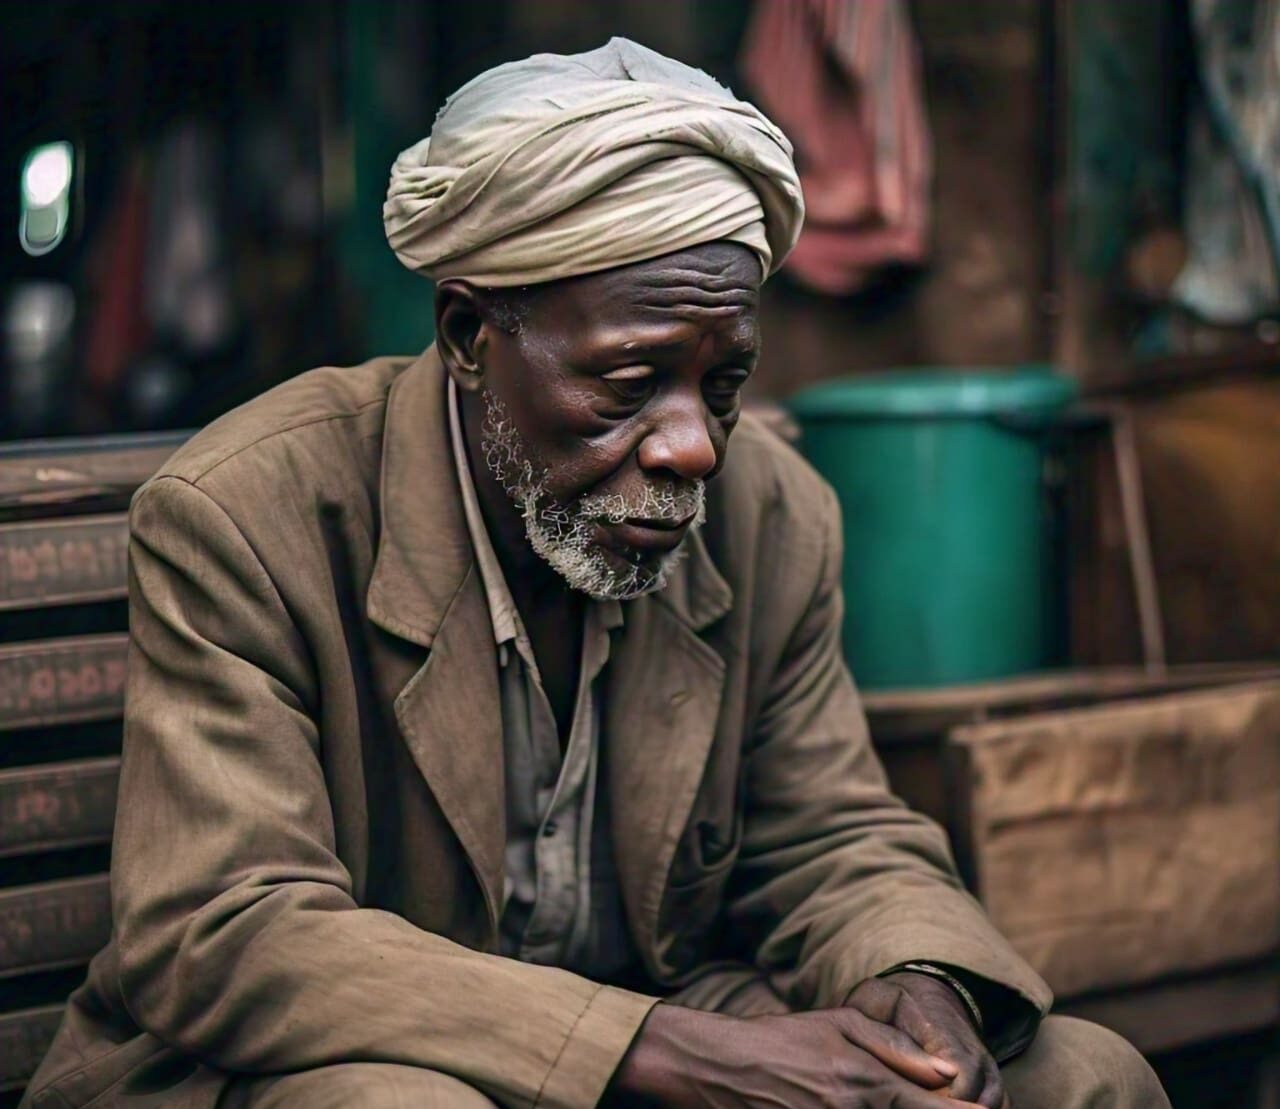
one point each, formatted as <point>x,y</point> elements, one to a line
<point>1232,274</point>
<point>843,79</point>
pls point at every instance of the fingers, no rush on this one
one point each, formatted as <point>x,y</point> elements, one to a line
<point>930,1099</point>
<point>878,999</point>
<point>888,1088</point>
<point>979,1078</point>
<point>895,1049</point>
<point>936,1023</point>
<point>993,1095</point>
<point>915,1098</point>
<point>891,1004</point>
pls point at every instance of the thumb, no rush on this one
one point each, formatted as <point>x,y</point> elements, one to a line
<point>895,1049</point>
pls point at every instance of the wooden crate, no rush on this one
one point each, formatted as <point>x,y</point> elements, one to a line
<point>1123,844</point>
<point>910,726</point>
<point>911,730</point>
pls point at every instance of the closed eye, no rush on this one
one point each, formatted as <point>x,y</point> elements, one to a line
<point>631,383</point>
<point>723,387</point>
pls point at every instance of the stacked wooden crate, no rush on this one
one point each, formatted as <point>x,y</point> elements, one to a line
<point>1122,828</point>
<point>63,619</point>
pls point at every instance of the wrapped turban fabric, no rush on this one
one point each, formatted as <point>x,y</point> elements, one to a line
<point>561,165</point>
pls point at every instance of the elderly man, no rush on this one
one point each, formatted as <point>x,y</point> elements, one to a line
<point>479,748</point>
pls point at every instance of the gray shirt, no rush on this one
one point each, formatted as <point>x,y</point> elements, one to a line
<point>561,902</point>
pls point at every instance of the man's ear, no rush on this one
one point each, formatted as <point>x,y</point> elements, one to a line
<point>461,333</point>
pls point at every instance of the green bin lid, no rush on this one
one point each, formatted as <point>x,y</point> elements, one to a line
<point>951,392</point>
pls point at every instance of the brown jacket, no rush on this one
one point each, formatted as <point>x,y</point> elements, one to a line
<point>309,847</point>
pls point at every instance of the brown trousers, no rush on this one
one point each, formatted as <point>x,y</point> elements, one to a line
<point>1070,1065</point>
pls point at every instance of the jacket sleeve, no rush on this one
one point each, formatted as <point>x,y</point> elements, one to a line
<point>837,881</point>
<point>238,936</point>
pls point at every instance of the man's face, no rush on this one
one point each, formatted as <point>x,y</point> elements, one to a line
<point>611,404</point>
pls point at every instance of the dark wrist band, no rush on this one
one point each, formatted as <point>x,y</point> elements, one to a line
<point>951,980</point>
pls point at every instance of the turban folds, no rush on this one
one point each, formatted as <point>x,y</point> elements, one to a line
<point>563,165</point>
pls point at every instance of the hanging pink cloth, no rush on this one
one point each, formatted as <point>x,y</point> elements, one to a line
<point>842,79</point>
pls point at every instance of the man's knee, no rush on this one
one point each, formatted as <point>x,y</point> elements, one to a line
<point>358,1086</point>
<point>1073,1064</point>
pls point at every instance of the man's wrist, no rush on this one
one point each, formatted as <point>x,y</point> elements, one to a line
<point>655,1069</point>
<point>957,987</point>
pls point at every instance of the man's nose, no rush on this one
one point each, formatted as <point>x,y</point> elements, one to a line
<point>681,443</point>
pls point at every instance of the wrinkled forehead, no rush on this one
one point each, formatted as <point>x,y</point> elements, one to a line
<point>717,278</point>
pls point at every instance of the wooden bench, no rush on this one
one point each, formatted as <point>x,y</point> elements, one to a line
<point>63,550</point>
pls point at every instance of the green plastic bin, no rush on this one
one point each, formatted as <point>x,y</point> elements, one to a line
<point>947,561</point>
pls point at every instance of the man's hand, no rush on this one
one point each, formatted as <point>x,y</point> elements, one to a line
<point>827,1059</point>
<point>934,1017</point>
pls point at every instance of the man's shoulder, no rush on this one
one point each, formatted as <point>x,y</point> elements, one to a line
<point>766,476</point>
<point>772,523</point>
<point>327,404</point>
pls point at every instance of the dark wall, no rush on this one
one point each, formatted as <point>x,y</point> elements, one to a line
<point>982,298</point>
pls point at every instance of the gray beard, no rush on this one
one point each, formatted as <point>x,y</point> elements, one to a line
<point>562,535</point>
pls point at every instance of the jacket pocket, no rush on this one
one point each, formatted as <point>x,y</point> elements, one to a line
<point>707,848</point>
<point>714,847</point>
<point>690,913</point>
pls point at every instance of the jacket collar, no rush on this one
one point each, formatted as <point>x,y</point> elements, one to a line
<point>697,592</point>
<point>425,550</point>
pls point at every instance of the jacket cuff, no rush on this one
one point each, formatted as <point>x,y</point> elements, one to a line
<point>1008,1019</point>
<point>594,1049</point>
<point>1010,994</point>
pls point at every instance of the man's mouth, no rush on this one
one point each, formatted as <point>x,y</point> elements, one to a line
<point>648,535</point>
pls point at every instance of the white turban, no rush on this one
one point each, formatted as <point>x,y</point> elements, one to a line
<point>563,165</point>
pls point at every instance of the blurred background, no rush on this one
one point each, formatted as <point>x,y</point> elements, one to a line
<point>1031,334</point>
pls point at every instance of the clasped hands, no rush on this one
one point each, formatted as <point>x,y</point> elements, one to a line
<point>904,1041</point>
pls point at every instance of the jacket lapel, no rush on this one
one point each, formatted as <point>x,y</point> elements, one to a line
<point>664,701</point>
<point>426,588</point>
<point>451,719</point>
